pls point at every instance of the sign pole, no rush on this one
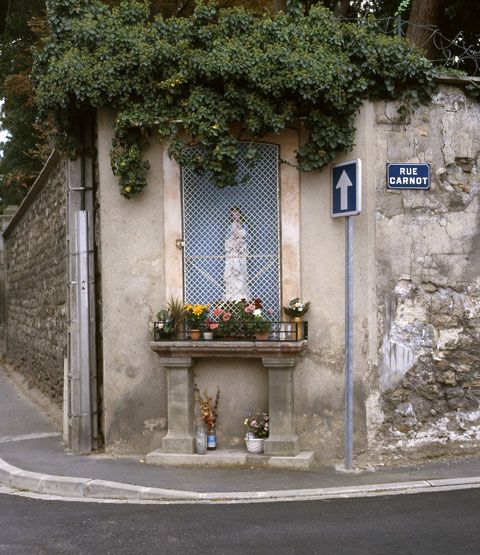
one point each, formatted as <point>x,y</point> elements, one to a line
<point>349,343</point>
<point>346,203</point>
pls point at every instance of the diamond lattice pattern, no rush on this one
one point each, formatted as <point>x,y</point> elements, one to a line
<point>231,234</point>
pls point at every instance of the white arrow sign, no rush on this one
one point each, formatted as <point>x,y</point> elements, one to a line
<point>343,184</point>
<point>346,189</point>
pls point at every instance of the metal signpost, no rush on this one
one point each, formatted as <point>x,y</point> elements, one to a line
<point>346,202</point>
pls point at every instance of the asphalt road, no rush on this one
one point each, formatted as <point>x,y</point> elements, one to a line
<point>441,523</point>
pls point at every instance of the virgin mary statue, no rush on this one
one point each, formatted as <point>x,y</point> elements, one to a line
<point>235,275</point>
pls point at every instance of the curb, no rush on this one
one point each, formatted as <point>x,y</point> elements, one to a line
<point>84,488</point>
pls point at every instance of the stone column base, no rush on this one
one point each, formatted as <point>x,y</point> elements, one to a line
<point>180,436</point>
<point>177,443</point>
<point>282,447</point>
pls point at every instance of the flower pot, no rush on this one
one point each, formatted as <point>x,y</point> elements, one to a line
<point>195,335</point>
<point>262,335</point>
<point>208,335</point>
<point>254,445</point>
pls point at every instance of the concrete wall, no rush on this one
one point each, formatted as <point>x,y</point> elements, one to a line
<point>36,274</point>
<point>416,255</point>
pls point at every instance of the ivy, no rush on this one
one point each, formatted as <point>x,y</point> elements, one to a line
<point>193,81</point>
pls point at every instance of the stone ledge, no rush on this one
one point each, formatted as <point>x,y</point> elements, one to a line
<point>231,458</point>
<point>253,349</point>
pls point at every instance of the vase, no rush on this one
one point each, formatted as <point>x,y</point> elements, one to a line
<point>208,335</point>
<point>262,335</point>
<point>254,445</point>
<point>211,440</point>
<point>299,327</point>
<point>195,335</point>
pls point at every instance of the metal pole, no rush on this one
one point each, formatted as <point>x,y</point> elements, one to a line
<point>81,398</point>
<point>349,343</point>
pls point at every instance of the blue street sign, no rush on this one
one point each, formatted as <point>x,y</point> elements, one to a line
<point>408,176</point>
<point>347,189</point>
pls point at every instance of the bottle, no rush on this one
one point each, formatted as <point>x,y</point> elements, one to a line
<point>211,439</point>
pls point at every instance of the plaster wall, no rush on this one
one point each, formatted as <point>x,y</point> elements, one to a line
<point>133,289</point>
<point>142,270</point>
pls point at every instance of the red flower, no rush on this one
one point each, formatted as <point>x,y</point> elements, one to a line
<point>226,316</point>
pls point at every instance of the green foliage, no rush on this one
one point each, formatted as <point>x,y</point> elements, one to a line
<point>19,164</point>
<point>193,80</point>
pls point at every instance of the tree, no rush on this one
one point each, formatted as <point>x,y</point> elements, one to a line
<point>423,15</point>
<point>18,162</point>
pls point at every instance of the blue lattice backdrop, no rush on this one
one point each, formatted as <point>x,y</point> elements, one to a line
<point>207,222</point>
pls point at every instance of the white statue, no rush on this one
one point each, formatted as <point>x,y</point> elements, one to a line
<point>236,272</point>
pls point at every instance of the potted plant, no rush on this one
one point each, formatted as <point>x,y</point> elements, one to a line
<point>296,308</point>
<point>169,320</point>
<point>176,308</point>
<point>196,314</point>
<point>209,330</point>
<point>164,326</point>
<point>209,414</point>
<point>256,321</point>
<point>257,428</point>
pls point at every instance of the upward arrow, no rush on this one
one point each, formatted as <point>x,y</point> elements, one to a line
<point>343,184</point>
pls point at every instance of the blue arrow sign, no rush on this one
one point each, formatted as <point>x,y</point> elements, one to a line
<point>346,189</point>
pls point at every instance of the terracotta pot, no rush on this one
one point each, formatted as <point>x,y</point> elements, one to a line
<point>262,335</point>
<point>195,335</point>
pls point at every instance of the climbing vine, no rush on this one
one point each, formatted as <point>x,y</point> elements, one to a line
<point>215,77</point>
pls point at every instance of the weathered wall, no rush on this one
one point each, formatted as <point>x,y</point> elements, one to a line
<point>428,268</point>
<point>416,279</point>
<point>132,292</point>
<point>35,253</point>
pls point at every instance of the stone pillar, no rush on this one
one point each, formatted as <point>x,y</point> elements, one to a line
<point>282,439</point>
<point>180,435</point>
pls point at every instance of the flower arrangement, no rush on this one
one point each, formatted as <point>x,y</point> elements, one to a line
<point>225,321</point>
<point>208,407</point>
<point>257,424</point>
<point>239,319</point>
<point>296,307</point>
<point>255,318</point>
<point>196,314</point>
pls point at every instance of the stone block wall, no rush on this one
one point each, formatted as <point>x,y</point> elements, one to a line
<point>36,268</point>
<point>428,271</point>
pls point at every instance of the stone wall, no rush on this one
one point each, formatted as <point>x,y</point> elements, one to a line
<point>428,268</point>
<point>35,252</point>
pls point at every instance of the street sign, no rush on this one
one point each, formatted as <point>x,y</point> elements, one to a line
<point>408,176</point>
<point>347,189</point>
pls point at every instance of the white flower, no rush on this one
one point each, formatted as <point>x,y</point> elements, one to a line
<point>257,312</point>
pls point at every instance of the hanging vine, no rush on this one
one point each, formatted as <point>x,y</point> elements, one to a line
<point>193,80</point>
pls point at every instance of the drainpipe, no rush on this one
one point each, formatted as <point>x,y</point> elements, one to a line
<point>81,364</point>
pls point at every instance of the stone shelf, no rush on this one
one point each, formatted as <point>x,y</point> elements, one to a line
<point>236,458</point>
<point>232,349</point>
<point>279,357</point>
